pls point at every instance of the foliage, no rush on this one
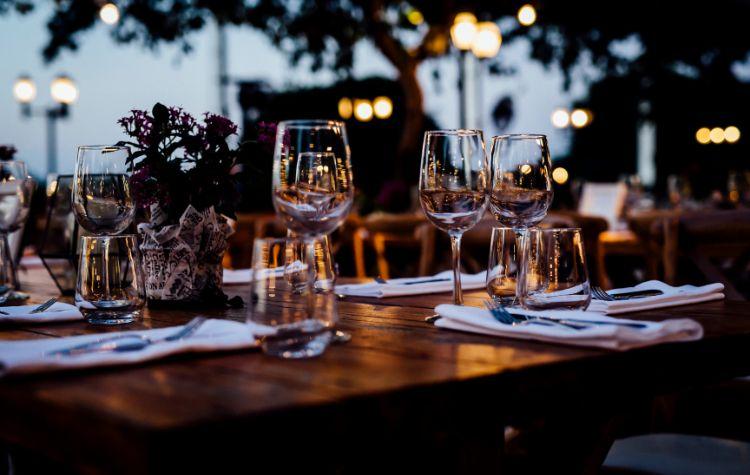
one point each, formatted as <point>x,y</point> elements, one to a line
<point>179,161</point>
<point>7,152</point>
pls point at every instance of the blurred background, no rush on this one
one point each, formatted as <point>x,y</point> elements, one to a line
<point>645,99</point>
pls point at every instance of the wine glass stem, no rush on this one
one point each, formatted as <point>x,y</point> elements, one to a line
<point>105,275</point>
<point>10,271</point>
<point>458,297</point>
<point>521,239</point>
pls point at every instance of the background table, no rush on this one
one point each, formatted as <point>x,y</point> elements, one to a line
<point>402,394</point>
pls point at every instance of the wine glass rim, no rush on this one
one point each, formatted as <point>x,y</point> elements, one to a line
<point>519,136</point>
<point>310,123</point>
<point>571,229</point>
<point>450,132</point>
<point>103,147</point>
<point>97,237</point>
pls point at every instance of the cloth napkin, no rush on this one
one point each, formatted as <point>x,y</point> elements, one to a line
<point>58,312</point>
<point>479,320</point>
<point>671,296</point>
<point>401,287</point>
<point>31,356</point>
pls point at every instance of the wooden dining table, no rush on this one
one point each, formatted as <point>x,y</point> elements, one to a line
<point>401,396</point>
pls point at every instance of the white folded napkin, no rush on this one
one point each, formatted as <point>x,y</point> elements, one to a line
<point>671,296</point>
<point>401,287</point>
<point>32,356</point>
<point>479,320</point>
<point>58,312</point>
<point>237,276</point>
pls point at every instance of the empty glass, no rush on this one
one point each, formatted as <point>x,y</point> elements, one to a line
<point>16,189</point>
<point>312,176</point>
<point>110,287</point>
<point>293,318</point>
<point>502,268</point>
<point>101,189</point>
<point>555,276</point>
<point>453,183</point>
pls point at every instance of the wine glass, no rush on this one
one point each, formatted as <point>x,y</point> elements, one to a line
<point>521,186</point>
<point>102,201</point>
<point>312,176</point>
<point>453,185</point>
<point>16,189</point>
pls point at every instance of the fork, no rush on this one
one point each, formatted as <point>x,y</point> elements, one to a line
<point>504,316</point>
<point>41,308</point>
<point>137,342</point>
<point>600,294</point>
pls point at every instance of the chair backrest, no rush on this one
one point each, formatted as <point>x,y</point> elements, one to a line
<point>605,200</point>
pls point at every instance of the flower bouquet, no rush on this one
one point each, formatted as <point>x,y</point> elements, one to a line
<point>183,180</point>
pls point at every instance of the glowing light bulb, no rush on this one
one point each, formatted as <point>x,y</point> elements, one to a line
<point>703,135</point>
<point>24,90</point>
<point>716,135</point>
<point>580,118</point>
<point>526,15</point>
<point>63,90</point>
<point>560,175</point>
<point>463,31</point>
<point>363,110</point>
<point>345,108</point>
<point>383,107</point>
<point>487,40</point>
<point>109,13</point>
<point>560,118</point>
<point>731,134</point>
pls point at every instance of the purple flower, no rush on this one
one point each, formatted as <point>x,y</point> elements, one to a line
<point>7,152</point>
<point>144,187</point>
<point>267,134</point>
<point>219,126</point>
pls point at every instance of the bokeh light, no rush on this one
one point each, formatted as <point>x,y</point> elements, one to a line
<point>363,110</point>
<point>345,108</point>
<point>24,90</point>
<point>703,135</point>
<point>383,107</point>
<point>731,134</point>
<point>560,175</point>
<point>716,135</point>
<point>63,90</point>
<point>527,15</point>
<point>415,17</point>
<point>525,169</point>
<point>464,30</point>
<point>560,118</point>
<point>487,40</point>
<point>580,118</point>
<point>109,13</point>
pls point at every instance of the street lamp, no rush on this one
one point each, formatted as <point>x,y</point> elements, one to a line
<point>487,41</point>
<point>64,92</point>
<point>463,32</point>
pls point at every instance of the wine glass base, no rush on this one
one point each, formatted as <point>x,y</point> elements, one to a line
<point>109,318</point>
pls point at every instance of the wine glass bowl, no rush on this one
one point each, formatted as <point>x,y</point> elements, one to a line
<point>16,189</point>
<point>521,180</point>
<point>453,184</point>
<point>102,200</point>
<point>312,177</point>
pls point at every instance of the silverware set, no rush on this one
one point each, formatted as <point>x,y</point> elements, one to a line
<point>39,308</point>
<point>600,294</point>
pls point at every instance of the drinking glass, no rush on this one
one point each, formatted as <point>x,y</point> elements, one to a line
<point>453,183</point>
<point>292,318</point>
<point>102,201</point>
<point>556,275</point>
<point>521,190</point>
<point>16,189</point>
<point>110,288</point>
<point>312,176</point>
<point>502,268</point>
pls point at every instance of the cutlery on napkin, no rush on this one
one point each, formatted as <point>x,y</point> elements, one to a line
<point>57,312</point>
<point>35,356</point>
<point>442,282</point>
<point>669,297</point>
<point>600,335</point>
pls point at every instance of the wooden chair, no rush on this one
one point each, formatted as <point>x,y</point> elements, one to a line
<point>382,233</point>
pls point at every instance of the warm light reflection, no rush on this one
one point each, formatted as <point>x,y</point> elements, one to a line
<point>64,90</point>
<point>464,30</point>
<point>703,135</point>
<point>731,134</point>
<point>527,15</point>
<point>383,107</point>
<point>716,135</point>
<point>487,40</point>
<point>109,13</point>
<point>560,118</point>
<point>345,108</point>
<point>560,175</point>
<point>24,90</point>
<point>363,110</point>
<point>525,169</point>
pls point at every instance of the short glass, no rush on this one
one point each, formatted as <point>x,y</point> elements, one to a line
<point>502,268</point>
<point>293,317</point>
<point>555,275</point>
<point>110,287</point>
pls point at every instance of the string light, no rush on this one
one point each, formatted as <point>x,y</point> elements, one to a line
<point>345,108</point>
<point>63,90</point>
<point>24,90</point>
<point>703,135</point>
<point>716,135</point>
<point>560,118</point>
<point>580,118</point>
<point>109,13</point>
<point>731,134</point>
<point>487,41</point>
<point>464,30</point>
<point>383,107</point>
<point>363,110</point>
<point>560,175</point>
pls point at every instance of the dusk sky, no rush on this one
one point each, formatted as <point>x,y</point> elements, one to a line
<point>113,79</point>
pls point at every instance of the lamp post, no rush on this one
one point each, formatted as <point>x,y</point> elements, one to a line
<point>483,39</point>
<point>64,92</point>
